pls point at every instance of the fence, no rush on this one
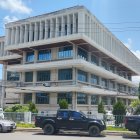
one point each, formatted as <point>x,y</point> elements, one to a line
<point>28,117</point>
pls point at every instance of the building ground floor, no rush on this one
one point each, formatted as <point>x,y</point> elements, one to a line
<point>76,100</point>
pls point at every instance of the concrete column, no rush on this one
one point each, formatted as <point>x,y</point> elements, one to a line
<point>89,102</point>
<point>23,77</point>
<point>53,99</point>
<point>35,56</point>
<point>74,76</point>
<point>22,98</point>
<point>74,23</point>
<point>33,97</point>
<point>81,22</point>
<point>12,36</point>
<point>68,24</point>
<point>51,28</point>
<point>89,56</point>
<point>24,57</point>
<point>34,76</point>
<point>36,31</point>
<point>17,35</point>
<point>7,36</point>
<point>62,26</point>
<point>46,29</point>
<point>41,31</point>
<point>21,34</point>
<point>30,33</point>
<point>75,49</point>
<point>109,101</point>
<point>25,33</point>
<point>54,53</point>
<point>4,75</point>
<point>100,98</point>
<point>57,28</point>
<point>74,101</point>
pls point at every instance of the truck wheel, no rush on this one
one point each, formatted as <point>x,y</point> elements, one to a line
<point>138,132</point>
<point>94,131</point>
<point>0,128</point>
<point>49,129</point>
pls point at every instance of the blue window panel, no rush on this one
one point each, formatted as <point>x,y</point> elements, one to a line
<point>42,98</point>
<point>44,55</point>
<point>30,57</point>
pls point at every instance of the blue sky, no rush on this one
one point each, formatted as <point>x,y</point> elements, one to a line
<point>120,16</point>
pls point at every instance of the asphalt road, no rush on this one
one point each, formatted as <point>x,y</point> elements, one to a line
<point>41,136</point>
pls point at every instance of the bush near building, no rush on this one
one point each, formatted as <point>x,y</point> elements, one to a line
<point>101,108</point>
<point>63,104</point>
<point>119,110</point>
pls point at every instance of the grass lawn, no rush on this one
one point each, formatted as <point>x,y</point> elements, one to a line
<point>25,125</point>
<point>113,128</point>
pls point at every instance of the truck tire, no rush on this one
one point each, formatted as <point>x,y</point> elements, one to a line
<point>49,129</point>
<point>94,131</point>
<point>138,132</point>
<point>1,128</point>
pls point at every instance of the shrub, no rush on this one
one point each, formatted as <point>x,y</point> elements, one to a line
<point>63,104</point>
<point>101,108</point>
<point>119,110</point>
<point>32,107</point>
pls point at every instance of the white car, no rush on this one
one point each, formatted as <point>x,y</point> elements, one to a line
<point>1,114</point>
<point>7,125</point>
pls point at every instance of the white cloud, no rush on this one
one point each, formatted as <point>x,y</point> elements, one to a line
<point>136,79</point>
<point>129,43</point>
<point>8,19</point>
<point>15,6</point>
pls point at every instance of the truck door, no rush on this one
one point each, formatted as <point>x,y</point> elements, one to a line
<point>62,119</point>
<point>77,121</point>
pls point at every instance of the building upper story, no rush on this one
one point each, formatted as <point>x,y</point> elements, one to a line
<point>69,25</point>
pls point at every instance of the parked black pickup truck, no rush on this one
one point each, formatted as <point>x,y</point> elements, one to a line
<point>132,123</point>
<point>69,120</point>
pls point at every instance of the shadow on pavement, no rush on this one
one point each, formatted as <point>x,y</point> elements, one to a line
<point>131,136</point>
<point>70,134</point>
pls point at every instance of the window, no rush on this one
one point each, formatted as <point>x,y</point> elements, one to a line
<point>13,76</point>
<point>43,76</point>
<point>65,74</point>
<point>112,100</point>
<point>27,98</point>
<point>42,98</point>
<point>76,115</point>
<point>94,99</point>
<point>65,52</point>
<point>71,28</point>
<point>104,100</point>
<point>112,84</point>
<point>44,55</point>
<point>82,54</point>
<point>95,60</point>
<point>30,57</point>
<point>82,76</point>
<point>66,29</point>
<point>81,98</point>
<point>28,76</point>
<point>112,69</point>
<point>104,83</point>
<point>59,30</point>
<point>66,96</point>
<point>104,65</point>
<point>49,32</point>
<point>94,79</point>
<point>63,114</point>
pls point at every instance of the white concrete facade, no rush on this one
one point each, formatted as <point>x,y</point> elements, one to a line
<point>71,40</point>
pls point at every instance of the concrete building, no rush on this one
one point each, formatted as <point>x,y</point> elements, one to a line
<point>66,54</point>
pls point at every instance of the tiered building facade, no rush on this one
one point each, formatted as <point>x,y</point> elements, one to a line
<point>67,54</point>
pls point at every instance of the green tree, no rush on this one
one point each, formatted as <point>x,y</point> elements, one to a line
<point>32,107</point>
<point>119,110</point>
<point>101,108</point>
<point>63,104</point>
<point>135,103</point>
<point>139,91</point>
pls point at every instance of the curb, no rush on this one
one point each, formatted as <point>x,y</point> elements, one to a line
<point>106,132</point>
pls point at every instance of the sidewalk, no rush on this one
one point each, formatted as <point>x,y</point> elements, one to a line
<point>105,132</point>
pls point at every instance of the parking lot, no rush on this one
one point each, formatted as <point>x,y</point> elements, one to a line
<point>37,136</point>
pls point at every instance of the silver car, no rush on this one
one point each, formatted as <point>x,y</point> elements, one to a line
<point>7,125</point>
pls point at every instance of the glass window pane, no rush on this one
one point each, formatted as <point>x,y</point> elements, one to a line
<point>42,98</point>
<point>13,76</point>
<point>82,54</point>
<point>65,74</point>
<point>27,98</point>
<point>94,99</point>
<point>43,76</point>
<point>81,98</point>
<point>44,55</point>
<point>82,76</point>
<point>94,79</point>
<point>29,56</point>
<point>66,96</point>
<point>28,76</point>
